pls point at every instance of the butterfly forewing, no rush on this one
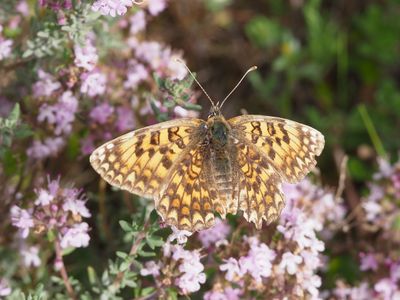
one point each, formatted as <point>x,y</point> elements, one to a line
<point>140,161</point>
<point>289,147</point>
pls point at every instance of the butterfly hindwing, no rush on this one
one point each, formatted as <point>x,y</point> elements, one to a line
<point>290,147</point>
<point>186,202</point>
<point>141,160</point>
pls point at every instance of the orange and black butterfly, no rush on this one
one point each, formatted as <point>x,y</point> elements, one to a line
<point>194,168</point>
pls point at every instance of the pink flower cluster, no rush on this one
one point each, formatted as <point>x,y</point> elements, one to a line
<point>379,260</point>
<point>380,205</point>
<point>178,266</point>
<point>56,209</point>
<point>120,7</point>
<point>288,263</point>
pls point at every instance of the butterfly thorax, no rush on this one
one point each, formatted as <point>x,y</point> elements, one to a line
<point>218,130</point>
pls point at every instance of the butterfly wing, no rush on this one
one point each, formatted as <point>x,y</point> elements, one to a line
<point>270,151</point>
<point>187,201</point>
<point>141,160</point>
<point>288,146</point>
<point>257,188</point>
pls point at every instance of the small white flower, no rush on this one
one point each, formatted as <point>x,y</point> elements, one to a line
<point>44,198</point>
<point>76,236</point>
<point>30,256</point>
<point>290,262</point>
<point>179,235</point>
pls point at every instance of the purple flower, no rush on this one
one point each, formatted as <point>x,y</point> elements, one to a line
<point>290,262</point>
<point>232,268</point>
<point>258,262</point>
<point>228,293</point>
<point>46,85</point>
<point>150,268</point>
<point>76,236</point>
<point>5,288</point>
<point>386,288</point>
<point>218,232</point>
<point>101,113</point>
<point>30,256</point>
<point>44,198</point>
<point>125,120</point>
<point>179,235</point>
<point>5,48</point>
<point>191,272</point>
<point>138,22</point>
<point>112,7</point>
<point>368,262</point>
<point>22,219</point>
<point>372,209</point>
<point>87,145</point>
<point>86,56</point>
<point>76,206</point>
<point>93,84</point>
<point>135,75</point>
<point>49,147</point>
<point>190,282</point>
<point>156,6</point>
<point>61,114</point>
<point>23,8</point>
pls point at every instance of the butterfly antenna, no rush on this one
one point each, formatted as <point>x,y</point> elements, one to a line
<point>240,81</point>
<point>194,77</point>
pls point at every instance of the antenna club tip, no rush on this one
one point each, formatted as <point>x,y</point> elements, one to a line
<point>253,68</point>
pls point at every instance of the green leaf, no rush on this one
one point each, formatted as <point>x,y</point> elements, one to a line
<point>93,279</point>
<point>122,255</point>
<point>68,250</point>
<point>144,253</point>
<point>125,226</point>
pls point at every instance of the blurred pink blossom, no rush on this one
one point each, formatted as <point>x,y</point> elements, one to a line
<point>368,262</point>
<point>86,56</point>
<point>218,232</point>
<point>101,113</point>
<point>125,119</point>
<point>5,288</point>
<point>112,7</point>
<point>135,74</point>
<point>46,84</point>
<point>49,147</point>
<point>22,219</point>
<point>156,6</point>
<point>93,84</point>
<point>138,22</point>
<point>5,48</point>
<point>30,256</point>
<point>228,293</point>
<point>150,268</point>
<point>23,8</point>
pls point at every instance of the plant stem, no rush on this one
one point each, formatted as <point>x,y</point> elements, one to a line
<point>63,270</point>
<point>373,134</point>
<point>134,248</point>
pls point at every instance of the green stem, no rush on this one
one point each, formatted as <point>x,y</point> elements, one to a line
<point>373,134</point>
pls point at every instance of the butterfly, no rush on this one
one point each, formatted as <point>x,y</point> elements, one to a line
<point>194,168</point>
